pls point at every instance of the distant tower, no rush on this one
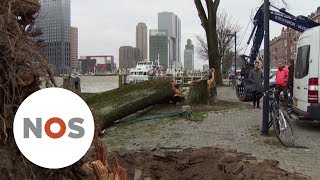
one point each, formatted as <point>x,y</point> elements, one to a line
<point>171,22</point>
<point>55,21</point>
<point>142,39</point>
<point>74,48</point>
<point>189,55</point>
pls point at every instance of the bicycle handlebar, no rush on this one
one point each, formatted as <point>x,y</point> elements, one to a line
<point>270,91</point>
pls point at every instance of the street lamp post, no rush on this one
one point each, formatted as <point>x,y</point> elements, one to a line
<point>235,54</point>
<point>235,51</point>
<point>266,69</point>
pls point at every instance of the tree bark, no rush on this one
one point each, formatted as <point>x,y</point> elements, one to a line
<point>209,25</point>
<point>198,93</point>
<point>119,103</point>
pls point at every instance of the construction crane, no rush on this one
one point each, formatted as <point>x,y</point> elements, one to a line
<point>281,16</point>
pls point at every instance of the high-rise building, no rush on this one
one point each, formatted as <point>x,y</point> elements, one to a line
<point>142,39</point>
<point>189,56</point>
<point>74,48</point>
<point>189,45</point>
<point>171,22</point>
<point>54,20</point>
<point>128,57</point>
<point>158,46</point>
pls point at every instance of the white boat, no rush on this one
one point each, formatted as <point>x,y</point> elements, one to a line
<point>141,72</point>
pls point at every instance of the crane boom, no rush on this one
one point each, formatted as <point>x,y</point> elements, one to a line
<point>298,23</point>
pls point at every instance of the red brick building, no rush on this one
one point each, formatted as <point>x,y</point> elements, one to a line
<point>103,64</point>
<point>283,47</point>
<point>74,48</point>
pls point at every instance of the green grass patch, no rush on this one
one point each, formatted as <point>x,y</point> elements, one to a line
<point>197,116</point>
<point>112,141</point>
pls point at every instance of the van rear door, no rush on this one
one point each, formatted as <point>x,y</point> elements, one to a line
<point>301,75</point>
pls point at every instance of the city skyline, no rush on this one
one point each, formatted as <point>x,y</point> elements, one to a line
<point>103,32</point>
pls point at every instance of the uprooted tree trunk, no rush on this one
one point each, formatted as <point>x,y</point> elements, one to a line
<point>21,65</point>
<point>119,103</point>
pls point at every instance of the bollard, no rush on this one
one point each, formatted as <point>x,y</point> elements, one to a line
<point>77,85</point>
<point>72,84</point>
<point>124,79</point>
<point>120,81</point>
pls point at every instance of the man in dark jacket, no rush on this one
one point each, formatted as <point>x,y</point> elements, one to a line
<point>256,78</point>
<point>290,78</point>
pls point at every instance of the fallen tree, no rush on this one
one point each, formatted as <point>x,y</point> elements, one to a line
<point>119,103</point>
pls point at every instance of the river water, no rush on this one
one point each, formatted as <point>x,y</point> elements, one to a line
<point>94,84</point>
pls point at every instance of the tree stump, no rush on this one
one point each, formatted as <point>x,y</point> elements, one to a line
<point>198,92</point>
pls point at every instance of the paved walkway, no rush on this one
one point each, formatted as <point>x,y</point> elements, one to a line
<point>234,129</point>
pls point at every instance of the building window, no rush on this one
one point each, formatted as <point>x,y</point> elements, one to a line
<point>302,64</point>
<point>285,43</point>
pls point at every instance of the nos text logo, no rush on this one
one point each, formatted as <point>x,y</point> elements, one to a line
<point>53,128</point>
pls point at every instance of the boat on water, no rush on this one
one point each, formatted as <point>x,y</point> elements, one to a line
<point>146,70</point>
<point>143,71</point>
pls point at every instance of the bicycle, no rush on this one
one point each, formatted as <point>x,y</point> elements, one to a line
<point>280,120</point>
<point>233,81</point>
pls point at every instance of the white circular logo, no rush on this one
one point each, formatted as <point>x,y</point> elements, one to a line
<point>53,128</point>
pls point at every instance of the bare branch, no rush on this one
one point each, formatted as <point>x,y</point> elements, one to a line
<point>202,50</point>
<point>225,27</point>
<point>201,13</point>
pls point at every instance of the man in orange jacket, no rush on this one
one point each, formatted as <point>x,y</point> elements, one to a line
<point>282,75</point>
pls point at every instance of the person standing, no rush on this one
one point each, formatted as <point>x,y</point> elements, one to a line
<point>290,78</point>
<point>256,78</point>
<point>282,76</point>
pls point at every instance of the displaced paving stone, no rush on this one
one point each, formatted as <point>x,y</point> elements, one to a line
<point>272,162</point>
<point>234,168</point>
<point>251,158</point>
<point>137,174</point>
<point>159,154</point>
<point>248,172</point>
<point>230,158</point>
<point>156,147</point>
<point>185,161</point>
<point>142,148</point>
<point>196,160</point>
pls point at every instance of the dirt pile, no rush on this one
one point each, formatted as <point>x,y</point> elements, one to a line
<point>205,163</point>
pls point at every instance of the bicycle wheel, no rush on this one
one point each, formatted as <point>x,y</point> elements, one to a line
<point>234,83</point>
<point>283,129</point>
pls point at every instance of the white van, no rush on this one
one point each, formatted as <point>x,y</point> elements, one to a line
<point>306,94</point>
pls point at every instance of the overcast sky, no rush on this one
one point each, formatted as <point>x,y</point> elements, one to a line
<point>105,25</point>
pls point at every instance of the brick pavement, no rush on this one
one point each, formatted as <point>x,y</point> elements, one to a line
<point>234,129</point>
